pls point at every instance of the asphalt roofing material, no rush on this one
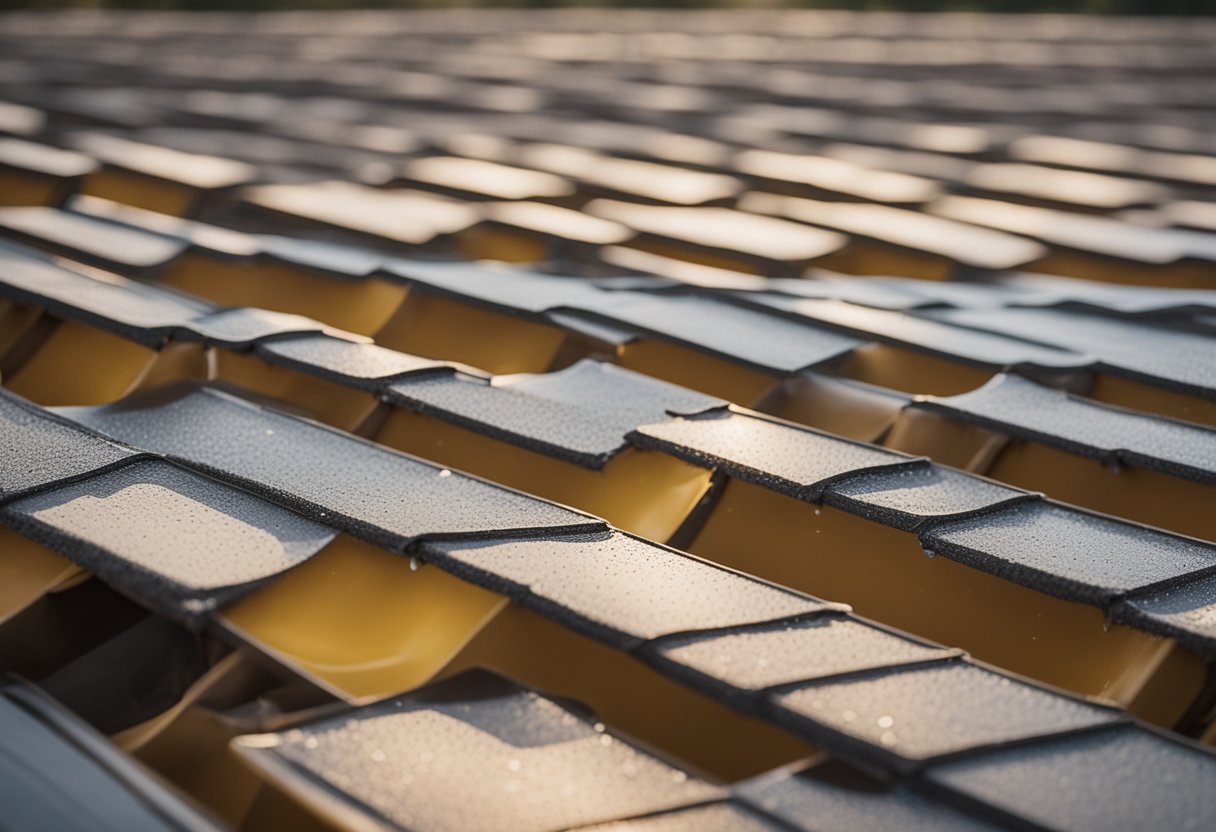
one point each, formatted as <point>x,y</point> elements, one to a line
<point>661,269</point>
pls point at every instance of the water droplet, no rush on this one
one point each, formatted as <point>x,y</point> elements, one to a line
<point>888,738</point>
<point>414,564</point>
<point>269,432</point>
<point>1107,621</point>
<point>600,727</point>
<point>818,511</point>
<point>929,553</point>
<point>886,721</point>
<point>605,739</point>
<point>444,473</point>
<point>679,776</point>
<point>513,765</point>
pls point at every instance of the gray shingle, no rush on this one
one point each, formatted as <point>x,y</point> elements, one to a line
<point>786,458</point>
<point>581,413</point>
<point>758,339</point>
<point>431,760</point>
<point>619,588</point>
<point>1186,613</point>
<point>786,652</point>
<point>178,542</point>
<point>1127,778</point>
<point>1069,553</point>
<point>1159,354</point>
<point>38,448</point>
<point>329,475</point>
<point>910,498</point>
<point>904,717</point>
<point>832,797</point>
<point>1026,410</point>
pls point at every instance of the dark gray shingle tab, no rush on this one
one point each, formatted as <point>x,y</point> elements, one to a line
<point>178,542</point>
<point>38,448</point>
<point>906,716</point>
<point>754,658</point>
<point>1021,408</point>
<point>1163,355</point>
<point>968,345</point>
<point>1070,553</point>
<point>911,498</point>
<point>581,413</point>
<point>784,457</point>
<point>1127,778</point>
<point>328,475</point>
<point>146,314</point>
<point>617,587</point>
<point>758,339</point>
<point>431,759</point>
<point>345,360</point>
<point>1186,613</point>
<point>830,797</point>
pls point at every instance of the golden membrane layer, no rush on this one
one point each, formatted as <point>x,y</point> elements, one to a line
<point>17,188</point>
<point>438,327</point>
<point>362,306</point>
<point>28,571</point>
<point>1183,275</point>
<point>885,575</point>
<point>81,365</point>
<point>702,734</point>
<point>314,397</point>
<point>862,258</point>
<point>362,621</point>
<point>695,370</point>
<point>644,492</point>
<point>896,368</point>
<point>1143,397</point>
<point>833,405</point>
<point>489,243</point>
<point>141,191</point>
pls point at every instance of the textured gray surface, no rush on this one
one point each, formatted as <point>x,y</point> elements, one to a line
<point>331,476</point>
<point>144,313</point>
<point>496,285</point>
<point>906,499</point>
<point>179,542</point>
<point>618,587</point>
<point>821,799</point>
<point>38,448</point>
<point>1157,353</point>
<point>779,654</point>
<point>784,457</point>
<point>94,240</point>
<point>1127,778</point>
<point>1021,408</point>
<point>497,758</point>
<point>350,361</point>
<point>582,412</point>
<point>1187,613</point>
<point>1070,553</point>
<point>970,346</point>
<point>926,712</point>
<point>760,340</point>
